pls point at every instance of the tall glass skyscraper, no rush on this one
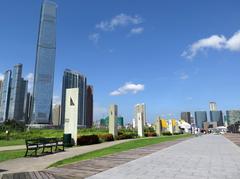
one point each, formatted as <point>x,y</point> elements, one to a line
<point>72,79</point>
<point>18,94</point>
<point>216,116</point>
<point>5,96</point>
<point>200,118</point>
<point>45,64</point>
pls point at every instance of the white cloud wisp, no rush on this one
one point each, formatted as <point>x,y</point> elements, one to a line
<point>128,88</point>
<point>218,42</point>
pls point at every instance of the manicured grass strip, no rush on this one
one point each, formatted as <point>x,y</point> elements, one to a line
<point>12,142</point>
<point>117,148</point>
<point>12,154</point>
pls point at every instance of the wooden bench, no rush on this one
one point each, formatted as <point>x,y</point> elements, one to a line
<point>44,143</point>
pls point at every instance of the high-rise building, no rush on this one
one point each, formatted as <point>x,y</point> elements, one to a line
<point>45,64</point>
<point>186,116</point>
<point>5,96</point>
<point>212,106</point>
<point>216,116</point>
<point>72,79</point>
<point>27,108</point>
<point>89,106</point>
<point>140,108</point>
<point>18,92</point>
<point>232,116</point>
<point>56,115</point>
<point>1,84</point>
<point>200,118</point>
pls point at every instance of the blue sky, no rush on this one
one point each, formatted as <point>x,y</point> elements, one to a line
<point>172,55</point>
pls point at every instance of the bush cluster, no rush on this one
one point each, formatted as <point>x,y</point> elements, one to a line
<point>126,136</point>
<point>88,140</point>
<point>150,134</point>
<point>177,133</point>
<point>106,137</point>
<point>167,133</point>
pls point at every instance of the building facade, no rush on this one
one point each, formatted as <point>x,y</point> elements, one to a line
<point>5,96</point>
<point>18,95</point>
<point>89,106</point>
<point>213,106</point>
<point>200,118</point>
<point>56,115</point>
<point>217,116</point>
<point>44,65</point>
<point>140,108</point>
<point>72,79</point>
<point>232,116</point>
<point>186,116</point>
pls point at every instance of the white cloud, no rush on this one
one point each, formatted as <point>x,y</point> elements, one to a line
<point>1,76</point>
<point>56,99</point>
<point>30,78</point>
<point>94,37</point>
<point>128,88</point>
<point>137,30</point>
<point>218,42</point>
<point>119,21</point>
<point>184,76</point>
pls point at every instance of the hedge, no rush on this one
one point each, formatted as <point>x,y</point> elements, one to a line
<point>88,140</point>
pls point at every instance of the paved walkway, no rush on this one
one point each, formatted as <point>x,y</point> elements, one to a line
<point>235,138</point>
<point>40,163</point>
<point>205,157</point>
<point>14,147</point>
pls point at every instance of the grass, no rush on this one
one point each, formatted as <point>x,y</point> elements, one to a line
<point>12,154</point>
<point>117,148</point>
<point>12,142</point>
<point>18,138</point>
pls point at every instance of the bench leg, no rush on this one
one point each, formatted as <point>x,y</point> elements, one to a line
<point>26,153</point>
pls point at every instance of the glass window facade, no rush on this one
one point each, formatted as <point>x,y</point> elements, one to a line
<point>72,79</point>
<point>45,65</point>
<point>216,116</point>
<point>200,118</point>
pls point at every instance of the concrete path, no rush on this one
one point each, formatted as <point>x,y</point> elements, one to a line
<point>14,147</point>
<point>40,163</point>
<point>205,157</point>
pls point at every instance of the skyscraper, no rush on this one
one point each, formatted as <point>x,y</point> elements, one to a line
<point>232,116</point>
<point>213,106</point>
<point>56,115</point>
<point>44,66</point>
<point>5,96</point>
<point>72,79</point>
<point>216,116</point>
<point>18,94</point>
<point>89,106</point>
<point>186,116</point>
<point>140,108</point>
<point>1,84</point>
<point>200,118</point>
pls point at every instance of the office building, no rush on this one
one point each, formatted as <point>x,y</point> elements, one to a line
<point>232,116</point>
<point>27,108</point>
<point>5,96</point>
<point>200,118</point>
<point>18,94</point>
<point>105,121</point>
<point>89,107</point>
<point>72,79</point>
<point>56,115</point>
<point>213,106</point>
<point>216,116</point>
<point>186,116</point>
<point>1,84</point>
<point>44,65</point>
<point>140,108</point>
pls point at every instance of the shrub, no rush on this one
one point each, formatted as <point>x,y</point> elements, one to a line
<point>167,133</point>
<point>106,137</point>
<point>126,136</point>
<point>177,133</point>
<point>88,140</point>
<point>150,134</point>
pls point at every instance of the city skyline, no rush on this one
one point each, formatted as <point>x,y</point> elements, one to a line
<point>186,81</point>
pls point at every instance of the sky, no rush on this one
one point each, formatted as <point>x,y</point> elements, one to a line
<point>172,55</point>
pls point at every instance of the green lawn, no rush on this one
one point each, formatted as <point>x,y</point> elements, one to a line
<point>12,154</point>
<point>118,148</point>
<point>12,142</point>
<point>18,138</point>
